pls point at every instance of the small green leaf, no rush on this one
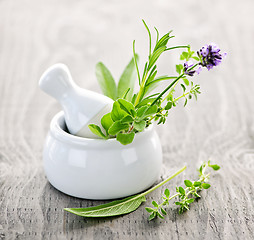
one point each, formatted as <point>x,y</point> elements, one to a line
<point>139,126</point>
<point>126,106</point>
<point>106,121</point>
<point>141,111</point>
<point>150,111</point>
<point>168,106</point>
<point>206,185</point>
<point>155,204</point>
<point>181,190</point>
<point>167,193</point>
<point>127,80</point>
<point>197,184</point>
<point>183,87</point>
<point>188,183</point>
<point>196,58</point>
<point>116,127</point>
<point>163,211</point>
<point>96,130</point>
<point>152,216</point>
<point>177,203</point>
<point>179,68</point>
<point>117,113</point>
<point>190,200</point>
<point>125,138</point>
<point>127,119</point>
<point>186,81</point>
<point>159,215</point>
<point>148,209</point>
<point>106,81</point>
<point>215,167</point>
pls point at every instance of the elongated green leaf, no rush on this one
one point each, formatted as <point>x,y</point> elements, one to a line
<point>127,80</point>
<point>125,138</point>
<point>106,81</point>
<point>114,208</point>
<point>96,130</point>
<point>117,127</point>
<point>106,121</point>
<point>127,119</point>
<point>119,207</point>
<point>155,56</point>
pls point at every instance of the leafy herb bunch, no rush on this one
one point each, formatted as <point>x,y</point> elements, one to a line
<point>133,112</point>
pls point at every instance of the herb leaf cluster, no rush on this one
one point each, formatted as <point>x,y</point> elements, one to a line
<point>133,112</point>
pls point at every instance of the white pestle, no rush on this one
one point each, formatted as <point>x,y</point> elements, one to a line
<point>81,107</point>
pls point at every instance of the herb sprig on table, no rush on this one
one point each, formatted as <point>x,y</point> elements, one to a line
<point>133,112</point>
<point>130,204</point>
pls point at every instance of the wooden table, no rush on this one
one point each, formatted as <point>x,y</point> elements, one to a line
<point>220,125</point>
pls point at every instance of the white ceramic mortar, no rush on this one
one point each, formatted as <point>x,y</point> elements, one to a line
<point>98,168</point>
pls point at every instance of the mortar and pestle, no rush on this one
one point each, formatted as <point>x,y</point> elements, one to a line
<point>80,164</point>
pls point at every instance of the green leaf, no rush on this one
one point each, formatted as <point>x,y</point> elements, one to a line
<point>196,58</point>
<point>127,80</point>
<point>155,204</point>
<point>152,216</point>
<point>188,183</point>
<point>148,209</point>
<point>215,167</point>
<point>206,185</point>
<point>150,111</point>
<point>117,113</point>
<point>106,121</point>
<point>126,106</point>
<point>179,68</point>
<point>125,138</point>
<point>117,127</point>
<point>183,87</point>
<point>96,130</point>
<point>181,190</point>
<point>141,111</point>
<point>186,81</point>
<point>139,126</point>
<point>184,56</point>
<point>163,211</point>
<point>106,81</point>
<point>114,208</point>
<point>127,119</point>
<point>167,193</point>
<point>155,55</point>
<point>190,200</point>
<point>168,106</point>
<point>197,184</point>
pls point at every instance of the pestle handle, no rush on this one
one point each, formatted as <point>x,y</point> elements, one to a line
<point>57,81</point>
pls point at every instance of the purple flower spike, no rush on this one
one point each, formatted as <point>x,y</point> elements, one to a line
<point>210,56</point>
<point>186,67</point>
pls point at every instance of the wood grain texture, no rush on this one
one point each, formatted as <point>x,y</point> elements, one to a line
<point>220,126</point>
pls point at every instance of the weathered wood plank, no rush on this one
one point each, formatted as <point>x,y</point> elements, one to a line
<point>220,126</point>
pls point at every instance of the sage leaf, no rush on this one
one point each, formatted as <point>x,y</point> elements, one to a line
<point>114,208</point>
<point>127,80</point>
<point>120,207</point>
<point>97,131</point>
<point>125,138</point>
<point>106,81</point>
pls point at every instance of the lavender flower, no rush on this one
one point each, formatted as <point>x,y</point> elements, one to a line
<point>210,56</point>
<point>188,71</point>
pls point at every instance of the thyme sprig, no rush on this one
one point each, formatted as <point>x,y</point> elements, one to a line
<point>185,195</point>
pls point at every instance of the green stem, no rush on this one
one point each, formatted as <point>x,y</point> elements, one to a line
<point>163,182</point>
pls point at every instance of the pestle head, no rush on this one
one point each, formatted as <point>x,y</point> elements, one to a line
<point>81,107</point>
